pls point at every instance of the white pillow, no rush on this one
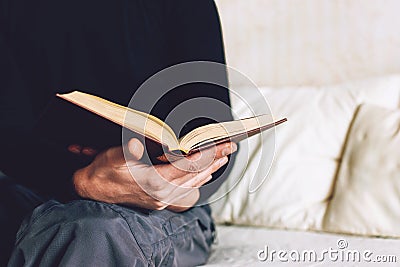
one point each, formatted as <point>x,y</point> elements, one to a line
<point>308,149</point>
<point>367,194</point>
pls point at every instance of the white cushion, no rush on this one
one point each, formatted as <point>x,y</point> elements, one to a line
<point>367,193</point>
<point>308,149</point>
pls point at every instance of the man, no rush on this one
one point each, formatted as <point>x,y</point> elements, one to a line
<point>99,215</point>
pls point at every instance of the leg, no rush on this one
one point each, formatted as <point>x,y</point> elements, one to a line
<point>16,202</point>
<point>89,233</point>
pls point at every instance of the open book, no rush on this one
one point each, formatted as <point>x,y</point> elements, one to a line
<point>159,132</point>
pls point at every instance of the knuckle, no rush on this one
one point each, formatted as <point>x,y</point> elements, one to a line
<point>168,176</point>
<point>108,154</point>
<point>155,185</point>
<point>193,167</point>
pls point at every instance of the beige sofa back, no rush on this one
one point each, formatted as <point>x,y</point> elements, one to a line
<point>311,42</point>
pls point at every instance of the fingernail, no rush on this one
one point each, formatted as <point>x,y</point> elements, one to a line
<point>229,150</point>
<point>234,147</point>
<point>222,161</point>
<point>88,151</point>
<point>133,146</point>
<point>76,149</point>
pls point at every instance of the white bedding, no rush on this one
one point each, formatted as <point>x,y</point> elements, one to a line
<point>238,246</point>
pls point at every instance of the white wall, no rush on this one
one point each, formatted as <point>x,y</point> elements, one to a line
<point>311,42</point>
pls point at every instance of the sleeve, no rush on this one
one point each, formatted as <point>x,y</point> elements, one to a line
<point>32,161</point>
<point>195,35</point>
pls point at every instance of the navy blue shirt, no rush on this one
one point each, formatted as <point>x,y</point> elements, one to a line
<point>107,48</point>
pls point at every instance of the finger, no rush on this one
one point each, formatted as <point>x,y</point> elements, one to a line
<point>188,182</point>
<point>199,161</point>
<point>216,152</point>
<point>225,149</point>
<point>210,152</point>
<point>132,151</point>
<point>135,148</point>
<point>203,182</point>
<point>88,151</point>
<point>195,180</point>
<point>76,149</point>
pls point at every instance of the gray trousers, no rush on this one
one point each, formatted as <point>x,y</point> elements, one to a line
<point>90,233</point>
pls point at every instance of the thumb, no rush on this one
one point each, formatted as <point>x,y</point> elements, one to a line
<point>136,148</point>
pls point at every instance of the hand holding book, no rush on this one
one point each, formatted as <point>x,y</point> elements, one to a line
<point>172,186</point>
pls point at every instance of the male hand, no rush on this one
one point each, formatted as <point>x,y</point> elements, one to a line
<point>113,179</point>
